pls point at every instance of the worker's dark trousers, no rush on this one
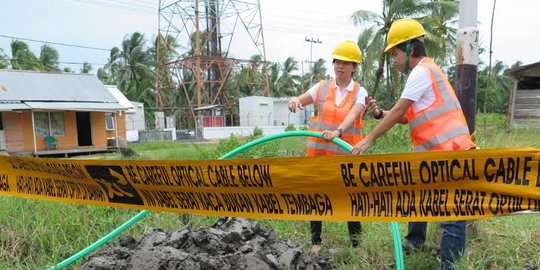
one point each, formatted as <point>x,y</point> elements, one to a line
<point>355,230</point>
<point>452,243</point>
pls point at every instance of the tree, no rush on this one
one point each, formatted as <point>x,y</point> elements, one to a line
<point>286,84</point>
<point>109,73</point>
<point>250,79</point>
<point>49,58</point>
<point>136,78</point>
<point>494,88</point>
<point>86,68</point>
<point>22,58</point>
<point>4,60</point>
<point>379,24</point>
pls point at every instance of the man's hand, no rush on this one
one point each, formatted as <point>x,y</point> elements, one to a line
<point>372,107</point>
<point>294,103</point>
<point>361,147</point>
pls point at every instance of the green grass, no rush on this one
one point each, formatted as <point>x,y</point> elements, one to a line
<point>36,234</point>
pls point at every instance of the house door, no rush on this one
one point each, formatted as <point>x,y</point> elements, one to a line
<point>84,129</point>
<point>2,136</point>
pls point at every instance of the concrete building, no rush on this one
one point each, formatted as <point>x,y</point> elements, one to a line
<point>268,111</point>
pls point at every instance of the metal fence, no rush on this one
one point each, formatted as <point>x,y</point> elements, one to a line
<point>152,136</point>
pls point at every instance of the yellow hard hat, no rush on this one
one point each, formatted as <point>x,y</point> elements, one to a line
<point>347,51</point>
<point>403,30</point>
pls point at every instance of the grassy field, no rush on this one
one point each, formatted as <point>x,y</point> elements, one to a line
<point>36,234</point>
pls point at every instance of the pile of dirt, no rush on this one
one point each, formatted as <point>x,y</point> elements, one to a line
<point>231,243</point>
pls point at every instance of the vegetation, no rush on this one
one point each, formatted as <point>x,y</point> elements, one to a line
<point>36,233</point>
<point>132,66</point>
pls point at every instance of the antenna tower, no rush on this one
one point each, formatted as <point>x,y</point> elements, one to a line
<point>202,34</point>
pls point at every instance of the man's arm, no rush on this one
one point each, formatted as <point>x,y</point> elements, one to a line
<point>390,119</point>
<point>378,113</point>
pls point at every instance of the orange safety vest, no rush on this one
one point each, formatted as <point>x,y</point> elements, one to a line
<point>329,117</point>
<point>442,125</point>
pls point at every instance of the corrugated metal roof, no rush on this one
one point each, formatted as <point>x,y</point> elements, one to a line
<point>121,98</point>
<point>77,106</point>
<point>6,107</point>
<point>37,86</point>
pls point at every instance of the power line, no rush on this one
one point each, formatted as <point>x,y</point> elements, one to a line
<point>58,62</point>
<point>56,43</point>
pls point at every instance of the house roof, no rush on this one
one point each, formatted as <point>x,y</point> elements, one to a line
<point>123,100</point>
<point>531,70</point>
<point>54,91</point>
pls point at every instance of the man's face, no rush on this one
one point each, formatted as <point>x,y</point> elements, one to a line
<point>343,69</point>
<point>398,58</point>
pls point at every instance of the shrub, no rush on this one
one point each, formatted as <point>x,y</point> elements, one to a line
<point>257,132</point>
<point>290,127</point>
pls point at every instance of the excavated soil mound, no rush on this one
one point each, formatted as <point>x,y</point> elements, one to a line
<point>231,243</point>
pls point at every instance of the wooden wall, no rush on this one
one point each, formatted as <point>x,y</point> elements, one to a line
<point>19,134</point>
<point>526,108</point>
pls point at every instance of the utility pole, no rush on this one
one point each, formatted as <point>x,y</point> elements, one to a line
<point>311,41</point>
<point>467,61</point>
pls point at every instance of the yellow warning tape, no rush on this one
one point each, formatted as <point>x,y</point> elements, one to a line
<point>432,186</point>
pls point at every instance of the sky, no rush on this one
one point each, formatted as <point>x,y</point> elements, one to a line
<point>102,24</point>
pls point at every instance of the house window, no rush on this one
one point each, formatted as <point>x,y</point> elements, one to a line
<point>49,123</point>
<point>109,121</point>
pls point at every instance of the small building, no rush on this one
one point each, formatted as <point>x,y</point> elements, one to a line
<point>57,113</point>
<point>524,101</point>
<point>134,115</point>
<point>269,111</point>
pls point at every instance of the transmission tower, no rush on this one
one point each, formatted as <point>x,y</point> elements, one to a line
<point>203,33</point>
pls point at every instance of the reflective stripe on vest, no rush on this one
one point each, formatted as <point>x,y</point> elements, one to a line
<point>444,111</point>
<point>327,147</point>
<point>323,126</point>
<point>330,118</point>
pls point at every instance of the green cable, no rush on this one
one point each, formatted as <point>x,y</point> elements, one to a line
<point>301,133</point>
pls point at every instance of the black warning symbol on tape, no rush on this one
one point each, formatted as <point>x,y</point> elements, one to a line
<point>114,182</point>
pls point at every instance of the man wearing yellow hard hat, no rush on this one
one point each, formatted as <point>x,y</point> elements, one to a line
<point>436,122</point>
<point>340,105</point>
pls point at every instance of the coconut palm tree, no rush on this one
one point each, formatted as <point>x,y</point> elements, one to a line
<point>136,78</point>
<point>86,68</point>
<point>286,84</point>
<point>494,87</point>
<point>109,73</point>
<point>4,59</point>
<point>379,24</point>
<point>440,26</point>
<point>22,58</point>
<point>49,58</point>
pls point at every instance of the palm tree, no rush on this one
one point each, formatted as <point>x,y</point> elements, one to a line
<point>109,73</point>
<point>136,78</point>
<point>49,58</point>
<point>317,73</point>
<point>22,58</point>
<point>441,39</point>
<point>379,24</point>
<point>366,69</point>
<point>494,87</point>
<point>250,79</point>
<point>286,83</point>
<point>86,68</point>
<point>4,60</point>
